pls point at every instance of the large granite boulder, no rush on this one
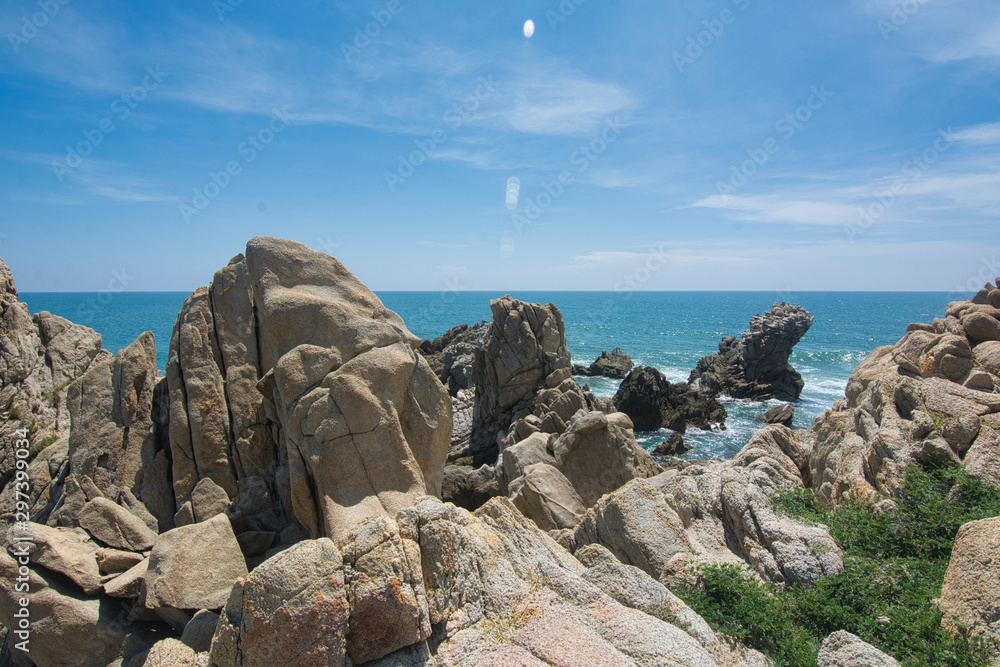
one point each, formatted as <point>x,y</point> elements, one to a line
<point>287,368</point>
<point>653,402</point>
<point>842,649</point>
<point>969,594</point>
<point>68,552</point>
<point>756,366</point>
<point>615,365</point>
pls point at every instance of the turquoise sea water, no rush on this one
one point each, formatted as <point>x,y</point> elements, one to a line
<point>668,330</point>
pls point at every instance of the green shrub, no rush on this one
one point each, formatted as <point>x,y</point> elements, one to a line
<point>894,565</point>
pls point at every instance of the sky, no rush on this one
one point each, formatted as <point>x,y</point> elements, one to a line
<point>697,145</point>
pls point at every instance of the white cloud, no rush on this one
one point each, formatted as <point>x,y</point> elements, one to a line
<point>782,209</point>
<point>987,133</point>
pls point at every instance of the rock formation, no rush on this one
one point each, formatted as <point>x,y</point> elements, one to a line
<point>969,594</point>
<point>782,414</point>
<point>756,366</point>
<point>615,365</point>
<point>452,355</point>
<point>653,402</point>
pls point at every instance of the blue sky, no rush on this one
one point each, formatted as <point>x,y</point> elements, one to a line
<point>726,144</point>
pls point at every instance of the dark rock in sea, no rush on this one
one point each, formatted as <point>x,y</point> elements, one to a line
<point>615,365</point>
<point>756,366</point>
<point>782,414</point>
<point>452,355</point>
<point>673,446</point>
<point>653,402</point>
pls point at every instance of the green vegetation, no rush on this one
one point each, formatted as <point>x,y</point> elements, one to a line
<point>37,448</point>
<point>15,413</point>
<point>894,564</point>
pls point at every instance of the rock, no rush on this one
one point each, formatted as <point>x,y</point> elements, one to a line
<point>208,499</point>
<point>170,653</point>
<point>981,327</point>
<point>388,606</point>
<point>781,414</point>
<point>194,567</point>
<point>756,366</point>
<point>673,446</point>
<point>968,595</point>
<point>842,649</point>
<point>292,609</point>
<point>653,402</point>
<point>982,461</point>
<point>987,355</point>
<point>993,298</point>
<point>113,560</point>
<point>515,459</point>
<point>66,628</point>
<point>544,495</point>
<point>68,552</point>
<point>598,453</point>
<point>128,584</point>
<point>253,543</point>
<point>462,408</point>
<point>452,355</point>
<point>524,354</point>
<point>615,365</point>
<point>115,526</point>
<point>199,631</point>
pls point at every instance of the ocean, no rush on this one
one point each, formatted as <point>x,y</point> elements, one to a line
<point>668,330</point>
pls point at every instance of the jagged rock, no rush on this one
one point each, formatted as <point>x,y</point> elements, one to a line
<point>115,526</point>
<point>524,354</point>
<point>199,631</point>
<point>544,495</point>
<point>653,402</point>
<point>113,560</point>
<point>968,595</point>
<point>292,609</point>
<point>66,627</point>
<point>756,366</point>
<point>129,583</point>
<point>68,552</point>
<point>45,474</point>
<point>194,567</point>
<point>388,606</point>
<point>208,499</point>
<point>463,405</point>
<point>615,365</point>
<point>452,355</point>
<point>842,649</point>
<point>673,446</point>
<point>598,453</point>
<point>781,414</point>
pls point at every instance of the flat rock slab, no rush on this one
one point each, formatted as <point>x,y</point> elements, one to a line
<point>65,551</point>
<point>115,526</point>
<point>128,584</point>
<point>194,567</point>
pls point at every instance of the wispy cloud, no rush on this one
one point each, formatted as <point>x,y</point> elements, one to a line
<point>987,133</point>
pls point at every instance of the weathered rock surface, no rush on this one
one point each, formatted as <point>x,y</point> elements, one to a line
<point>756,366</point>
<point>194,567</point>
<point>781,414</point>
<point>672,446</point>
<point>969,594</point>
<point>653,402</point>
<point>615,364</point>
<point>842,649</point>
<point>115,526</point>
<point>68,552</point>
<point>452,355</point>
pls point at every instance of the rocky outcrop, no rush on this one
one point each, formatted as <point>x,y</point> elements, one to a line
<point>653,402</point>
<point>781,414</point>
<point>927,399</point>
<point>756,366</point>
<point>452,355</point>
<point>615,365</point>
<point>288,369</point>
<point>842,649</point>
<point>968,596</point>
<point>672,446</point>
<point>719,512</point>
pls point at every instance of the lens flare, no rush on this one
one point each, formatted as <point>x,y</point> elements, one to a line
<point>529,28</point>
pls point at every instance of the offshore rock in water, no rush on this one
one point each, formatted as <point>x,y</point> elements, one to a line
<point>615,365</point>
<point>756,366</point>
<point>653,402</point>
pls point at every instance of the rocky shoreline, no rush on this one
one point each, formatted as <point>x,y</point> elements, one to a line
<point>311,484</point>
